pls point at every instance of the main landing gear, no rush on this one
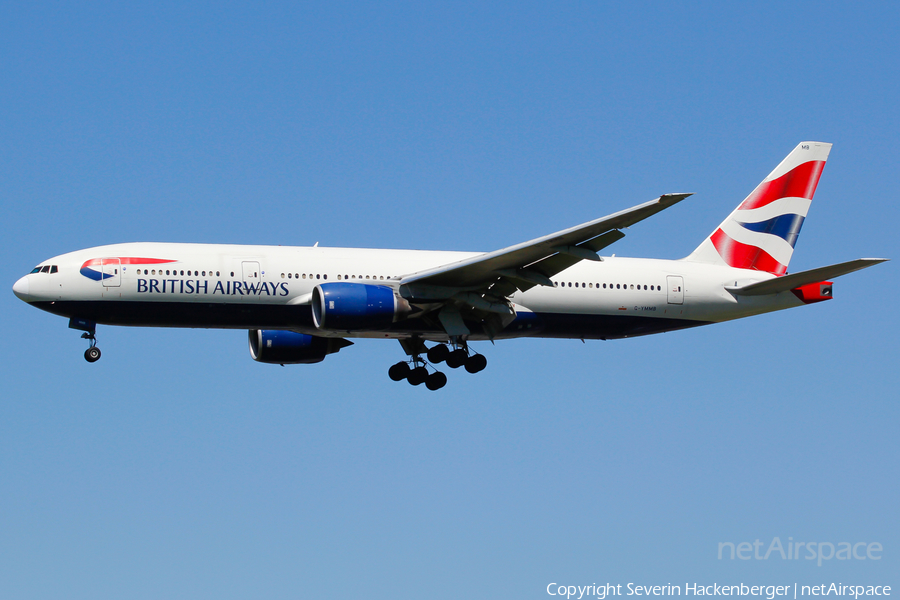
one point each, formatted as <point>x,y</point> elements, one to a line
<point>416,372</point>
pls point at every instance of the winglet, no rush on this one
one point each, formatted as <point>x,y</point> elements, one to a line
<point>670,199</point>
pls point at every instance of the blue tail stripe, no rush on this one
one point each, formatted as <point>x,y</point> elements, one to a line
<point>787,227</point>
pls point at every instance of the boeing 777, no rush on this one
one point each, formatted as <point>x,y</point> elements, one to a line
<point>301,304</point>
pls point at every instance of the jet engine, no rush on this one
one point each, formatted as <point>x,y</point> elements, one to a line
<point>356,307</point>
<point>288,347</point>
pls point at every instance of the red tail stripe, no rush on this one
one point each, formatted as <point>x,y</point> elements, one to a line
<point>742,256</point>
<point>799,182</point>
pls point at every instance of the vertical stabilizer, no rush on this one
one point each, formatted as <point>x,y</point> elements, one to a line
<point>760,234</point>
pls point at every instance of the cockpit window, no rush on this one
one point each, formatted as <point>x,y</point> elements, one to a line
<point>45,269</point>
<point>35,270</point>
<point>54,269</point>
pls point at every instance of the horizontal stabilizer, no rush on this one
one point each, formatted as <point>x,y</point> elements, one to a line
<point>795,280</point>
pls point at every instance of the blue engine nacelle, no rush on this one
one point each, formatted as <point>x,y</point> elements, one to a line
<point>356,307</point>
<point>288,347</point>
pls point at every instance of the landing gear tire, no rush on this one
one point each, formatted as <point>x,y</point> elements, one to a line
<point>436,381</point>
<point>476,363</point>
<point>457,358</point>
<point>417,376</point>
<point>92,354</point>
<point>399,371</point>
<point>438,353</point>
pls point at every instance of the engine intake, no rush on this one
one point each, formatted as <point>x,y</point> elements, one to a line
<point>356,307</point>
<point>291,348</point>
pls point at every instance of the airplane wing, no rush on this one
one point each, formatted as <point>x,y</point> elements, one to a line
<point>795,280</point>
<point>531,263</point>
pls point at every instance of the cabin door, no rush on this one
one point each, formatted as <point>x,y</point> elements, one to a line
<point>675,292</point>
<point>112,272</point>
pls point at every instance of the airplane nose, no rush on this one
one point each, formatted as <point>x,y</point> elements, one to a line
<point>20,288</point>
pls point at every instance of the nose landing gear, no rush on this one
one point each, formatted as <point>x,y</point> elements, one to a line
<point>92,354</point>
<point>89,328</point>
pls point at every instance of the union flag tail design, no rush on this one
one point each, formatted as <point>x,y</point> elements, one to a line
<point>760,234</point>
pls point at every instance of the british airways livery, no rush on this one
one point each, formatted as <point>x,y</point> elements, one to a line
<point>301,304</point>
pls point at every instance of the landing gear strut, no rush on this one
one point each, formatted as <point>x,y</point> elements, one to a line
<point>89,328</point>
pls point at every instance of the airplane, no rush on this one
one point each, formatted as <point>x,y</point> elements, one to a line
<point>301,304</point>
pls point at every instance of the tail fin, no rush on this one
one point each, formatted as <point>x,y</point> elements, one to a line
<point>760,234</point>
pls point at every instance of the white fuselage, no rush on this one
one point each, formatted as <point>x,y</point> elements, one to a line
<point>267,287</point>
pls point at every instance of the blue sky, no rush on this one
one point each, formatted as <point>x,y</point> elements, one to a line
<point>177,467</point>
